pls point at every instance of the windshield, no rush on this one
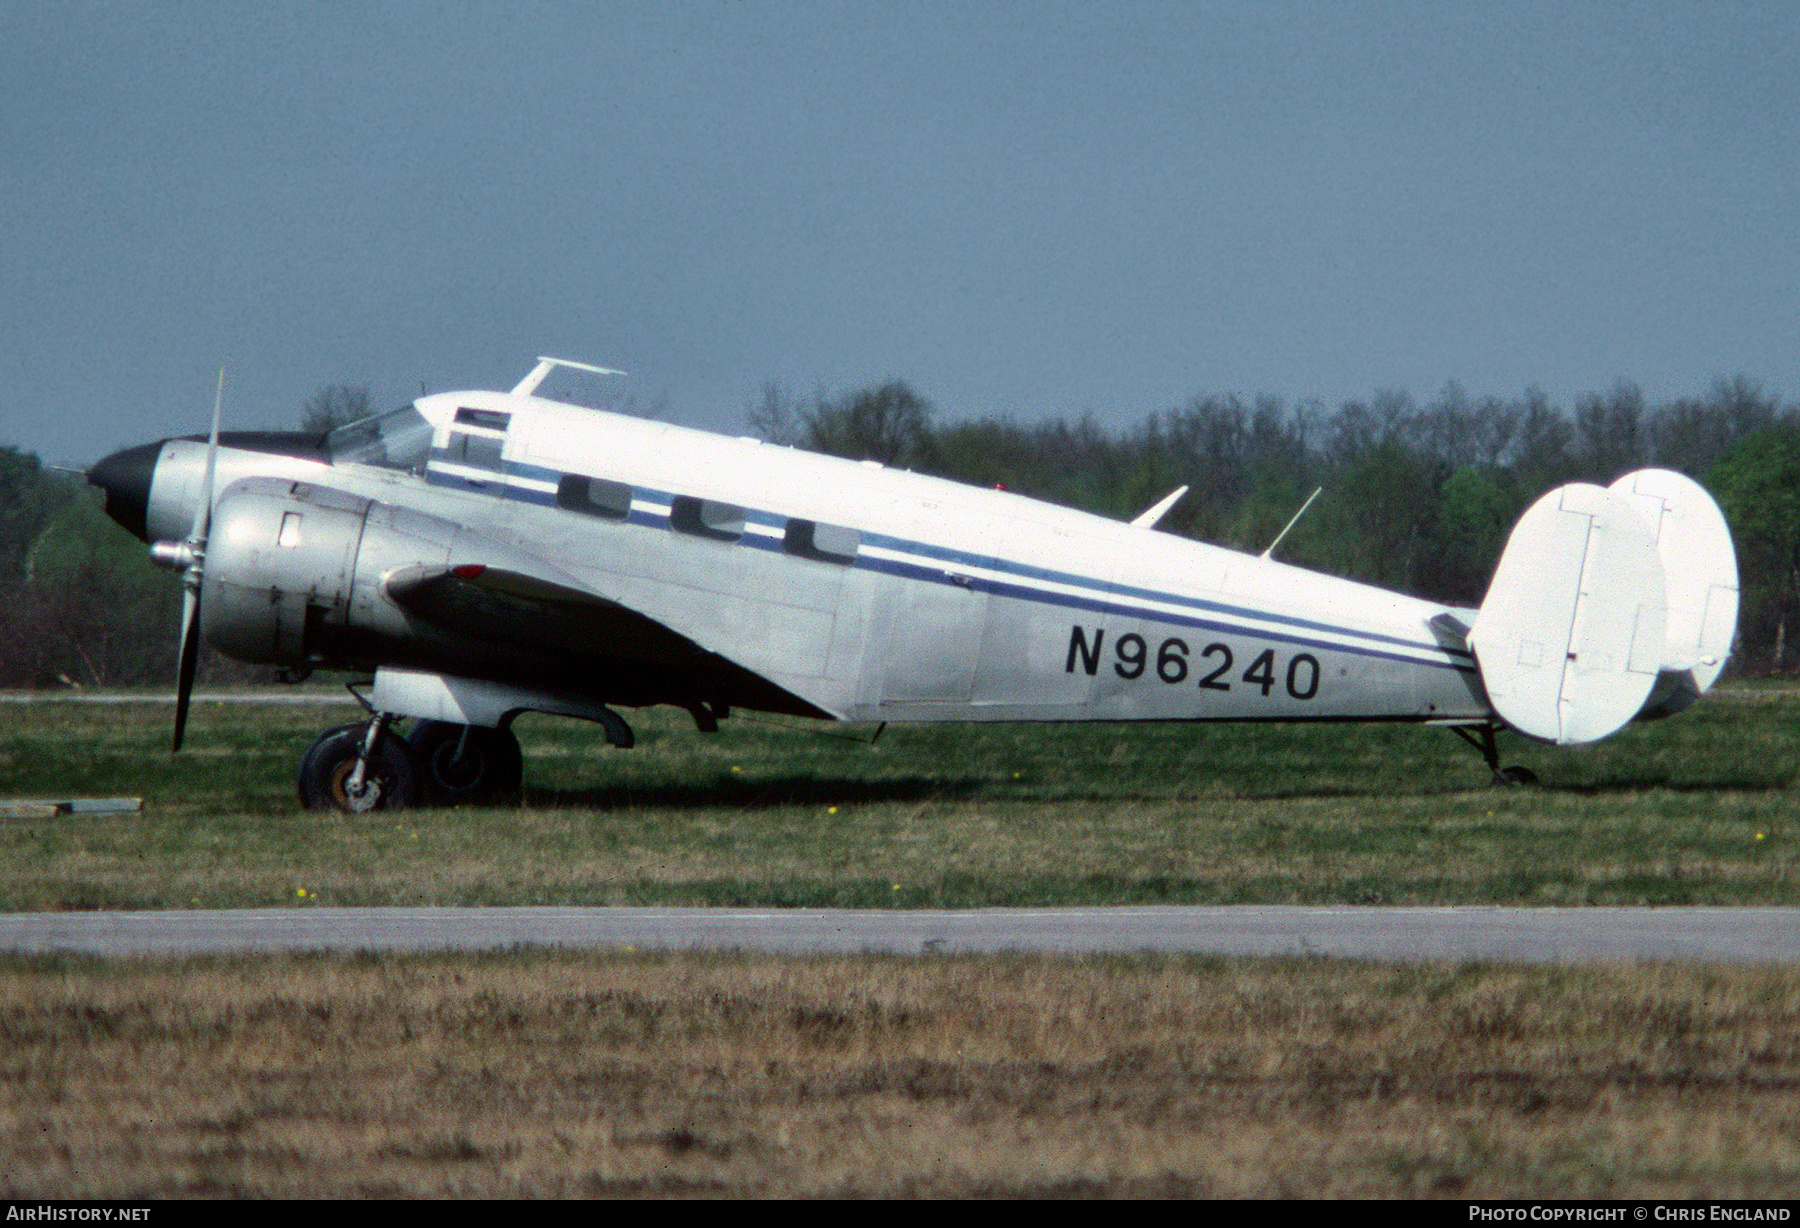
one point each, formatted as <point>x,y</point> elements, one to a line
<point>400,440</point>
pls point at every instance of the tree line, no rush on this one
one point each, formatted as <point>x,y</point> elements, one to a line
<point>1417,497</point>
<point>79,602</point>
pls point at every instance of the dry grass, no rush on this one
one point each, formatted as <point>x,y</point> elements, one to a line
<point>621,1074</point>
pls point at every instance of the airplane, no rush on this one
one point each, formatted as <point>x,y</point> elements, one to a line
<point>482,554</point>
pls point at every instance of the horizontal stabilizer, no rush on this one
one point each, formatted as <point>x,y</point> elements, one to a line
<point>1150,516</point>
<point>1570,637</point>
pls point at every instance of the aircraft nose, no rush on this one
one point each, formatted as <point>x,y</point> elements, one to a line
<point>125,476</point>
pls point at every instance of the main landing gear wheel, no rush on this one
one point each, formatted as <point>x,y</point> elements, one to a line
<point>1514,777</point>
<point>392,779</point>
<point>466,763</point>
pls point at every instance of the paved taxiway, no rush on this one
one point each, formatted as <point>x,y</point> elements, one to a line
<point>1724,935</point>
<point>291,699</point>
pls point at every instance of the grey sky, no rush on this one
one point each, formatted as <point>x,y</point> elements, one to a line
<point>1035,209</point>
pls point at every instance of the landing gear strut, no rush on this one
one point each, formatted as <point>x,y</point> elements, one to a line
<point>360,767</point>
<point>1504,777</point>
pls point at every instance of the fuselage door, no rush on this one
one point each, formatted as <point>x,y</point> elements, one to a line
<point>934,640</point>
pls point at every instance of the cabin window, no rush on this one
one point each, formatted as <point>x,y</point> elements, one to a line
<point>828,543</point>
<point>486,419</point>
<point>706,518</point>
<point>481,451</point>
<point>593,496</point>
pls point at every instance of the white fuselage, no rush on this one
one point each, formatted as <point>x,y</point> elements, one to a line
<point>883,595</point>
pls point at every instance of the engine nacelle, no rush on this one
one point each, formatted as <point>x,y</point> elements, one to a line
<point>293,572</point>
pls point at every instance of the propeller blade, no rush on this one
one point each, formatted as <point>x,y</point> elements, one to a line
<point>190,656</point>
<point>203,513</point>
<point>191,578</point>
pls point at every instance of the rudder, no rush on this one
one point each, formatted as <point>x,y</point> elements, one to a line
<point>1570,638</point>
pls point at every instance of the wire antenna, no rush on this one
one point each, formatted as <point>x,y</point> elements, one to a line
<point>1290,524</point>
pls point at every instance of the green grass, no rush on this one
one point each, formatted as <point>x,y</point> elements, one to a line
<point>1693,810</point>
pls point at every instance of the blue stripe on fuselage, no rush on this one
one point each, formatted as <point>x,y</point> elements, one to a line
<point>1461,659</point>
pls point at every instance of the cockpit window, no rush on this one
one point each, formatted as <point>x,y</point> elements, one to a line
<point>400,440</point>
<point>488,419</point>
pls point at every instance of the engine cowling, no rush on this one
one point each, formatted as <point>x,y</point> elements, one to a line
<point>293,573</point>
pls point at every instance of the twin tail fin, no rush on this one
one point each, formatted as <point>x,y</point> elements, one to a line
<point>1609,603</point>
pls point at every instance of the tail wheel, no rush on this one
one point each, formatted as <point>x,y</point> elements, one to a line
<point>392,780</point>
<point>466,763</point>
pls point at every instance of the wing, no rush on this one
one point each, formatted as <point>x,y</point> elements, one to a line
<point>626,656</point>
<point>511,607</point>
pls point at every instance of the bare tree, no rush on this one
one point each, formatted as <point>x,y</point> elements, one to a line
<point>776,418</point>
<point>1610,431</point>
<point>333,406</point>
<point>891,424</point>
